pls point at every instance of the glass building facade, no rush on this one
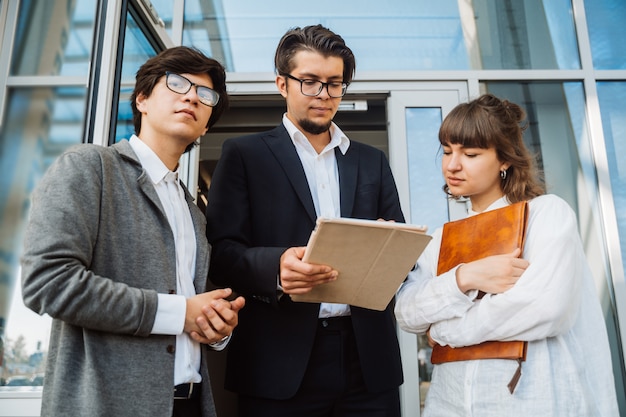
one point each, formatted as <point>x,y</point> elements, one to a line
<point>67,70</point>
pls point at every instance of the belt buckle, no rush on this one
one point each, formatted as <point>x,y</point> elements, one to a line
<point>188,394</point>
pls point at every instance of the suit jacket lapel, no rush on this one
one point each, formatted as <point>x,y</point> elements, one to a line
<point>281,146</point>
<point>347,166</point>
<point>143,180</point>
<point>197,217</point>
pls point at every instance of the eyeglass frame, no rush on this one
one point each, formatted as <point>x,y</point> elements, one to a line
<point>344,86</point>
<point>192,84</point>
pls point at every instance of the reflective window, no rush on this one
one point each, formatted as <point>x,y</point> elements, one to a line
<point>125,127</point>
<point>559,133</point>
<point>555,113</point>
<point>165,11</point>
<point>428,201</point>
<point>611,95</point>
<point>206,26</point>
<point>531,34</point>
<point>399,35</point>
<point>137,50</point>
<point>425,178</point>
<point>40,124</point>
<point>2,23</point>
<point>605,22</point>
<point>53,38</point>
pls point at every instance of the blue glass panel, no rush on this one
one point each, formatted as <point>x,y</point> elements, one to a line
<point>562,34</point>
<point>205,27</point>
<point>425,178</point>
<point>137,49</point>
<point>428,201</point>
<point>165,11</point>
<point>40,124</point>
<point>406,34</point>
<point>53,38</point>
<point>559,135</point>
<point>125,127</point>
<point>399,35</point>
<point>612,96</point>
<point>607,31</point>
<point>533,34</point>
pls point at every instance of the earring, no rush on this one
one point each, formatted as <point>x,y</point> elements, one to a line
<point>503,174</point>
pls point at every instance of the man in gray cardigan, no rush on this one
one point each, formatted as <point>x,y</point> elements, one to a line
<point>115,252</point>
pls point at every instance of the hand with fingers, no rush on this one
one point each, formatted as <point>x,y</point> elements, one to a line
<point>493,274</point>
<point>211,317</point>
<point>299,277</point>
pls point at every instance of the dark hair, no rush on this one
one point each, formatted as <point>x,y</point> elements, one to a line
<point>489,122</point>
<point>315,38</point>
<point>179,59</point>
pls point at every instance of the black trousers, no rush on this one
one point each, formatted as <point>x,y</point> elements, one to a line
<point>188,408</point>
<point>333,384</point>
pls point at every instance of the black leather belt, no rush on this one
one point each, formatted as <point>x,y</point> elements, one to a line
<point>335,323</point>
<point>187,391</point>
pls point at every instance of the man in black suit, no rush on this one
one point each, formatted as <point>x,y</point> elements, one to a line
<point>289,358</point>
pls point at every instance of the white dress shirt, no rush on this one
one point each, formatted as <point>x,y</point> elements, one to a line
<point>553,305</point>
<point>170,317</point>
<point>323,178</point>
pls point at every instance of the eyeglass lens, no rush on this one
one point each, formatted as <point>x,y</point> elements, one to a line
<point>313,88</point>
<point>181,85</point>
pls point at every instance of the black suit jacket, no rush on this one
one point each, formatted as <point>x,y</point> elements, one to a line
<point>260,205</point>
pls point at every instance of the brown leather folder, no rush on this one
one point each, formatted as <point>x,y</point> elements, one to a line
<point>489,233</point>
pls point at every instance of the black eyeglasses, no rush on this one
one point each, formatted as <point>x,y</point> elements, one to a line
<point>313,88</point>
<point>181,85</point>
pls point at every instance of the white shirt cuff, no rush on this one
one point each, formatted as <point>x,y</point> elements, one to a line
<point>170,316</point>
<point>221,344</point>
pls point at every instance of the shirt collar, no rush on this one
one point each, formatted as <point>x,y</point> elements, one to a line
<point>337,137</point>
<point>499,203</point>
<point>149,160</point>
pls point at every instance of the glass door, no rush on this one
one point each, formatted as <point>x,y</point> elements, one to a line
<point>414,155</point>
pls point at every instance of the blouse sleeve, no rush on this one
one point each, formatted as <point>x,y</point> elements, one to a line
<point>425,298</point>
<point>544,301</point>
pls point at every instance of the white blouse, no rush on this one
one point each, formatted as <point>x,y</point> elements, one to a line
<point>553,305</point>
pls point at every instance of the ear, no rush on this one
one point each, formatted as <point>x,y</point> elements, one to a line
<point>281,84</point>
<point>140,102</point>
<point>504,166</point>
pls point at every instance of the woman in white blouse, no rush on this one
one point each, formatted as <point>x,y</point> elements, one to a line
<point>546,296</point>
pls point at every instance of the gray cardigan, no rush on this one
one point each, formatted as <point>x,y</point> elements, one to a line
<point>97,250</point>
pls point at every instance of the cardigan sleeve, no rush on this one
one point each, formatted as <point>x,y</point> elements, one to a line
<point>61,237</point>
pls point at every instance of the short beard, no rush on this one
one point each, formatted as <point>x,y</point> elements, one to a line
<point>314,128</point>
